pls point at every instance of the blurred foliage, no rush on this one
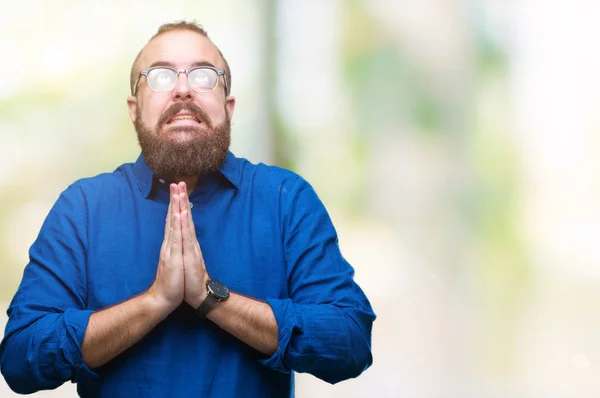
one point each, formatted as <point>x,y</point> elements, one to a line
<point>377,71</point>
<point>502,276</point>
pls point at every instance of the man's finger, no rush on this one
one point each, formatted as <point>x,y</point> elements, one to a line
<point>187,205</point>
<point>188,241</point>
<point>188,229</point>
<point>192,227</point>
<point>168,219</point>
<point>175,235</point>
<point>175,217</point>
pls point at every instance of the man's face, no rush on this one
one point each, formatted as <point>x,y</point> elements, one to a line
<point>183,132</point>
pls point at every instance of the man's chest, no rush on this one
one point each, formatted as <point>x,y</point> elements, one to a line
<point>241,249</point>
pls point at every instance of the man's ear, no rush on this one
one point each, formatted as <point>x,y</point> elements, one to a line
<point>132,107</point>
<point>230,105</point>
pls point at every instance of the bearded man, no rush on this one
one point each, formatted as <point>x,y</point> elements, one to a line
<point>190,272</point>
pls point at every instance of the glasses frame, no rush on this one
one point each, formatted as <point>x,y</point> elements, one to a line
<point>218,71</point>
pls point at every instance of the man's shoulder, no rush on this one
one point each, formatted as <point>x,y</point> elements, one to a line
<point>105,181</point>
<point>264,174</point>
<point>271,184</point>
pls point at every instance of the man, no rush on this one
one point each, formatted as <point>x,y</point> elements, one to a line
<point>250,283</point>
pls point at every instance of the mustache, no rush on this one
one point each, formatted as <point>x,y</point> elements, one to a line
<point>185,106</point>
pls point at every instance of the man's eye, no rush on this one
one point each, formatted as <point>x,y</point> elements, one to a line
<point>201,78</point>
<point>164,77</point>
<point>161,77</point>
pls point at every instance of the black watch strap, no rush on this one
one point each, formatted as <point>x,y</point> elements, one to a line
<point>207,305</point>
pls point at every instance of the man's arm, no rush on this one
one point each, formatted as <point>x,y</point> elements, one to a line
<point>47,316</point>
<point>325,328</point>
<point>250,320</point>
<point>112,330</point>
<point>49,325</point>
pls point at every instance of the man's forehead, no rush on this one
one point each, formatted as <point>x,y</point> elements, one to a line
<point>180,47</point>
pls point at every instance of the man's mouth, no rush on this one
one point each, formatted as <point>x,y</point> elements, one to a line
<point>183,117</point>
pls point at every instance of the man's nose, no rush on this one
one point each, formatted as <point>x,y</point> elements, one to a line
<point>182,90</point>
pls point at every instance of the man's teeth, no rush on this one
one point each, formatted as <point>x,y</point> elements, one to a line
<point>183,118</point>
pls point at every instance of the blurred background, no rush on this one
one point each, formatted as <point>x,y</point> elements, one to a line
<point>456,144</point>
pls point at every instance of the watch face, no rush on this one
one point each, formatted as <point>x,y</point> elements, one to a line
<point>217,290</point>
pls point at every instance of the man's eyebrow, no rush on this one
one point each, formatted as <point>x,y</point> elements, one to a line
<point>202,63</point>
<point>172,65</point>
<point>162,63</point>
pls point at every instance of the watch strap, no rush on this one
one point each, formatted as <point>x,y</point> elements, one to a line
<point>207,305</point>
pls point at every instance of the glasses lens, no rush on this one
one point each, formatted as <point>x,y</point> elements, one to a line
<point>162,80</point>
<point>203,79</point>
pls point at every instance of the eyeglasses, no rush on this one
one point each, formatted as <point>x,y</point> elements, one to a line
<point>163,79</point>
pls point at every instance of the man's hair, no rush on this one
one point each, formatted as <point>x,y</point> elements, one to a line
<point>178,25</point>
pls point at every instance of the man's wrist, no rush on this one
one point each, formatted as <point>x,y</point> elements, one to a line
<point>216,293</point>
<point>155,305</point>
<point>198,300</point>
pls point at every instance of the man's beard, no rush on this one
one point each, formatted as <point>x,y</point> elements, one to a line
<point>205,151</point>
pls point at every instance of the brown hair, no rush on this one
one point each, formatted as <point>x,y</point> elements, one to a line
<point>184,25</point>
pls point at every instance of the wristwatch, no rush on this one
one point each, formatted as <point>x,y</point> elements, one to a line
<point>217,292</point>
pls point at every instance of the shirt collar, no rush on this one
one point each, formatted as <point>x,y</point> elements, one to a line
<point>145,176</point>
<point>231,170</point>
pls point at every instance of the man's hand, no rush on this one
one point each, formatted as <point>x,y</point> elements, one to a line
<point>112,330</point>
<point>193,262</point>
<point>251,321</point>
<point>168,287</point>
